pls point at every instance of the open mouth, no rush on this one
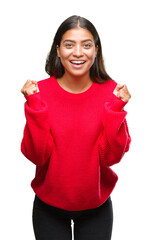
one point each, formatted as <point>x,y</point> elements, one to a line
<point>77,62</point>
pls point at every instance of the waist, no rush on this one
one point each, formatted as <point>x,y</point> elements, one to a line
<point>41,204</point>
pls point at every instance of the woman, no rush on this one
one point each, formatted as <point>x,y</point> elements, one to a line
<point>75,130</point>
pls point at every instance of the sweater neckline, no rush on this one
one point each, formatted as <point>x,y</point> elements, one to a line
<point>74,95</point>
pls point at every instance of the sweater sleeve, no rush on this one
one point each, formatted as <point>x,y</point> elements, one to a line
<point>115,139</point>
<point>37,143</point>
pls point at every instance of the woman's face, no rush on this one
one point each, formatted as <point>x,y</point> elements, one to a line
<point>77,51</point>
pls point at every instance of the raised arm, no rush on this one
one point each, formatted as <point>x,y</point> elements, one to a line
<point>37,143</point>
<point>115,139</point>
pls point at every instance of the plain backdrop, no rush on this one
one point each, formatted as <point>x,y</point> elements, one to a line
<point>27,31</point>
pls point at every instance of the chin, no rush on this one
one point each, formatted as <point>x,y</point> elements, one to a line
<point>79,74</point>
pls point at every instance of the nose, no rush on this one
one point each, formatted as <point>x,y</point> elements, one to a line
<point>77,51</point>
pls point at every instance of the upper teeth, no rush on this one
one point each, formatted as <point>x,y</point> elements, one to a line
<point>78,62</point>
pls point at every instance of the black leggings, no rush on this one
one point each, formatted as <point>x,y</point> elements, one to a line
<point>51,223</point>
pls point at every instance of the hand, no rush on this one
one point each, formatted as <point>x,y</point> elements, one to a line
<point>30,87</point>
<point>121,91</point>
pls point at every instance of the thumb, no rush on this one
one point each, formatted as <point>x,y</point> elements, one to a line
<point>33,81</point>
<point>119,86</point>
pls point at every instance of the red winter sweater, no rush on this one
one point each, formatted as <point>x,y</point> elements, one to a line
<point>73,139</point>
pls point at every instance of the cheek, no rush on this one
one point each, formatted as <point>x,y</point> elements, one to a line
<point>91,55</point>
<point>64,53</point>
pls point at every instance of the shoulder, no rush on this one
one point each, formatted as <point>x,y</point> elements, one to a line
<point>46,87</point>
<point>45,83</point>
<point>105,90</point>
<point>109,85</point>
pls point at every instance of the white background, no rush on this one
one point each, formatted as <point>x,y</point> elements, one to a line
<point>27,31</point>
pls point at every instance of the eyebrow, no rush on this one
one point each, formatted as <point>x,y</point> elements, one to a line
<point>86,40</point>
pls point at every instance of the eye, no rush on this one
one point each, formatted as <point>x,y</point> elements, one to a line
<point>68,45</point>
<point>87,45</point>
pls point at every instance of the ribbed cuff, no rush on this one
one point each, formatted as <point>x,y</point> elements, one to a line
<point>34,100</point>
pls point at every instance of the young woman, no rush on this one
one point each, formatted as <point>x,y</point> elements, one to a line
<point>75,130</point>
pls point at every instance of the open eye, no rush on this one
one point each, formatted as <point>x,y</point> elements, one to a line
<point>87,45</point>
<point>68,45</point>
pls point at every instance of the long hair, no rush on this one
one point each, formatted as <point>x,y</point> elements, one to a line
<point>53,64</point>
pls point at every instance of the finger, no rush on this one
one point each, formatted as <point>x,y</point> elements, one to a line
<point>119,86</point>
<point>125,95</point>
<point>124,86</point>
<point>33,81</point>
<point>35,90</point>
<point>27,84</point>
<point>30,91</point>
<point>125,90</point>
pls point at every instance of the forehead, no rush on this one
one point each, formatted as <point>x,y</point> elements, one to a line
<point>77,34</point>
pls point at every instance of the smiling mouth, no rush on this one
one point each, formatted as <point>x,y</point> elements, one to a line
<point>77,62</point>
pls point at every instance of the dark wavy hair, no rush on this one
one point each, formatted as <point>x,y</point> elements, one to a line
<point>53,64</point>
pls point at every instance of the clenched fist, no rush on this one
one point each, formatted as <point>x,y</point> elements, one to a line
<point>121,91</point>
<point>30,87</point>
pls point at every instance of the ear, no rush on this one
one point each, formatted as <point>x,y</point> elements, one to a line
<point>58,50</point>
<point>96,51</point>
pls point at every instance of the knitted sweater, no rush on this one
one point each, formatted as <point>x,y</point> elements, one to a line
<point>73,139</point>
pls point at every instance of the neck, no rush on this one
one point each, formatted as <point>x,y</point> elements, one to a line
<point>75,83</point>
